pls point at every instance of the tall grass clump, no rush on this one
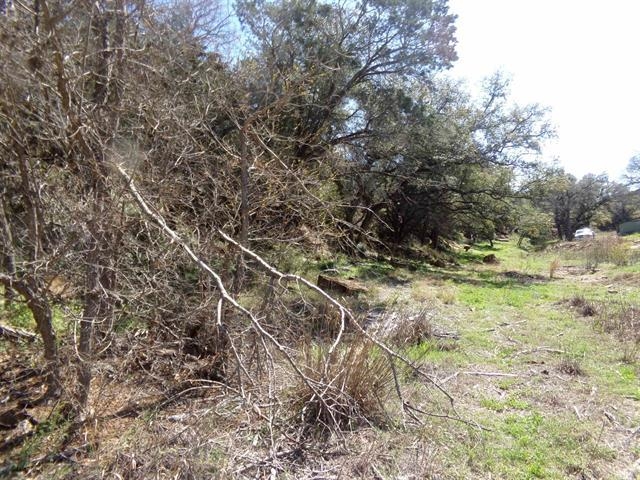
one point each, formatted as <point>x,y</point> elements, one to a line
<point>353,383</point>
<point>405,328</point>
<point>553,267</point>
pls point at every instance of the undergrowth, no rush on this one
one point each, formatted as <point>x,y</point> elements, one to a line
<point>355,384</point>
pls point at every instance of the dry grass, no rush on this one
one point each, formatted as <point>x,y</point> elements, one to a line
<point>571,366</point>
<point>621,317</point>
<point>553,267</point>
<point>584,307</point>
<point>404,328</point>
<point>354,382</point>
<point>447,296</point>
<point>608,249</point>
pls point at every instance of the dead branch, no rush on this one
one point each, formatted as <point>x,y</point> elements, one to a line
<point>271,271</point>
<point>16,333</point>
<point>540,349</point>
<point>491,374</point>
<point>160,222</point>
<point>343,311</point>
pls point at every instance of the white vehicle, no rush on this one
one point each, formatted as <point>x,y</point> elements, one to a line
<point>583,233</point>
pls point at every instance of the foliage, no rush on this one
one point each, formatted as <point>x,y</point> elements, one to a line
<point>632,176</point>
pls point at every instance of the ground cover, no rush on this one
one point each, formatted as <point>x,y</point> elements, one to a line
<point>539,353</point>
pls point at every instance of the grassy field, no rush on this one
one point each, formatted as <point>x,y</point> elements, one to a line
<point>538,354</point>
<point>546,362</point>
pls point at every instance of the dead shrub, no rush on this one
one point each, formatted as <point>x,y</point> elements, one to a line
<point>352,385</point>
<point>571,366</point>
<point>607,250</point>
<point>292,319</point>
<point>585,307</point>
<point>403,328</point>
<point>622,318</point>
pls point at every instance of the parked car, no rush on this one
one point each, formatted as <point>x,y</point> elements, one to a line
<point>584,233</point>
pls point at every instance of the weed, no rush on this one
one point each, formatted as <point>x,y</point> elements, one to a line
<point>628,373</point>
<point>571,366</point>
<point>508,403</point>
<point>553,267</point>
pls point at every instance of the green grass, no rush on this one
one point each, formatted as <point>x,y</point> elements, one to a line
<point>522,325</point>
<point>431,352</point>
<point>508,403</point>
<point>18,315</point>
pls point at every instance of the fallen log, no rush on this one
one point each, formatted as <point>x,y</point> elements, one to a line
<point>340,285</point>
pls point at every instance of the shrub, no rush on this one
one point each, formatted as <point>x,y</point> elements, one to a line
<point>585,307</point>
<point>608,250</point>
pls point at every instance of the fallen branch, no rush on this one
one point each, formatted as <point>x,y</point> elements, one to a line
<point>491,374</point>
<point>344,312</point>
<point>540,349</point>
<point>471,423</point>
<point>577,412</point>
<point>450,377</point>
<point>224,294</point>
<point>16,333</point>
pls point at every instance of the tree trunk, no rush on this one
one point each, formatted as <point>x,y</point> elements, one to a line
<point>434,238</point>
<point>99,277</point>
<point>32,289</point>
<point>91,311</point>
<point>8,260</point>
<point>40,308</point>
<point>42,314</point>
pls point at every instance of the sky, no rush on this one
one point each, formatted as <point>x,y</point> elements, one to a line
<point>581,58</point>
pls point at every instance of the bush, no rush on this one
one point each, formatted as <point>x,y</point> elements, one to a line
<point>608,250</point>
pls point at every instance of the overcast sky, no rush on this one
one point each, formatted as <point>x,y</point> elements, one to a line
<point>579,57</point>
